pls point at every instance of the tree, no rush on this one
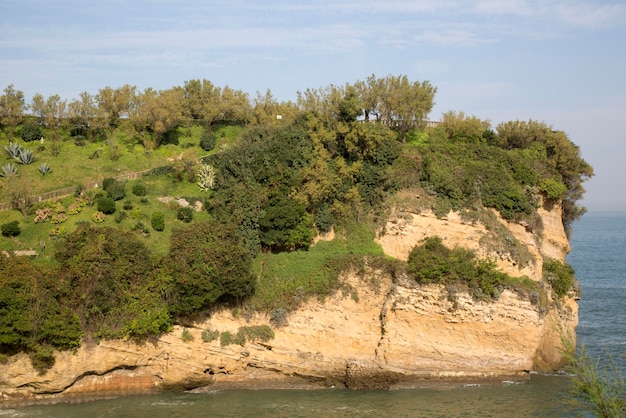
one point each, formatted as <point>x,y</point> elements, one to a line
<point>460,127</point>
<point>11,109</point>
<point>407,104</point>
<point>373,94</point>
<point>155,113</point>
<point>53,114</point>
<point>562,154</point>
<point>207,263</point>
<point>116,104</point>
<point>286,225</point>
<point>204,101</point>
<point>107,278</point>
<point>86,116</point>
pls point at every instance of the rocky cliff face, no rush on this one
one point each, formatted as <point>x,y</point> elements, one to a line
<point>391,334</point>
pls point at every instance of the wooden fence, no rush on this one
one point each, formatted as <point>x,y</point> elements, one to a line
<point>68,191</point>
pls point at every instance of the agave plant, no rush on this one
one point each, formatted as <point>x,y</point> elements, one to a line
<point>44,168</point>
<point>8,170</point>
<point>13,149</point>
<point>26,156</point>
<point>206,177</point>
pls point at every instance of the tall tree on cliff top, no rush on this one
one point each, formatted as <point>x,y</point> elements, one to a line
<point>116,103</point>
<point>53,113</point>
<point>11,109</point>
<point>406,104</point>
<point>153,113</point>
<point>86,115</point>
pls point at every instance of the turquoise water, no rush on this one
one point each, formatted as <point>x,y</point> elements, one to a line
<point>599,257</point>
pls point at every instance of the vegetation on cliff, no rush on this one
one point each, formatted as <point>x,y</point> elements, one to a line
<point>266,178</point>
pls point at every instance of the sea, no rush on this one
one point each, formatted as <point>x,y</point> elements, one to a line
<point>599,257</point>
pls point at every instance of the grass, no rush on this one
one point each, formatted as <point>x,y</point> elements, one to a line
<point>73,167</point>
<point>287,279</point>
<point>92,161</point>
<point>32,234</point>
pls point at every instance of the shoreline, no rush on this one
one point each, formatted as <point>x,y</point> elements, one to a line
<point>290,383</point>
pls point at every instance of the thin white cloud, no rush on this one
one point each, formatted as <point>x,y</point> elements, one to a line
<point>591,15</point>
<point>452,36</point>
<point>503,7</point>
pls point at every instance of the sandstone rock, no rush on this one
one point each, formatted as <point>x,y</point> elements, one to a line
<point>395,335</point>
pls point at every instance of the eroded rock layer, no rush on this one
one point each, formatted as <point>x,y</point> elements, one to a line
<point>387,334</point>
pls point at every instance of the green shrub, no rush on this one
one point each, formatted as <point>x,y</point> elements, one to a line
<point>185,214</point>
<point>42,358</point>
<point>209,335</point>
<point>228,338</point>
<point>433,262</point>
<point>208,139</point>
<point>11,229</point>
<point>139,189</point>
<point>158,221</point>
<point>257,333</point>
<point>324,219</point>
<point>186,335</point>
<point>553,188</point>
<point>106,205</point>
<point>120,216</point>
<point>559,275</point>
<point>107,182</point>
<point>278,317</point>
<point>115,188</point>
<point>31,131</point>
<point>140,227</point>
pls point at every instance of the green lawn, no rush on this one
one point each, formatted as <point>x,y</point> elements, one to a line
<point>91,163</point>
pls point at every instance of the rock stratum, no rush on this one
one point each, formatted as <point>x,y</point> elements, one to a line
<point>388,334</point>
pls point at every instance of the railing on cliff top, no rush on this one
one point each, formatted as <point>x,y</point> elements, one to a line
<point>393,123</point>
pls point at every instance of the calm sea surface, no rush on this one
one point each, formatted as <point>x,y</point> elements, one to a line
<point>599,257</point>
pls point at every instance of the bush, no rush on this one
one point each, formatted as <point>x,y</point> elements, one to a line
<point>185,214</point>
<point>207,141</point>
<point>31,132</point>
<point>257,333</point>
<point>228,338</point>
<point>120,216</point>
<point>323,219</point>
<point>107,182</point>
<point>106,205</point>
<point>208,264</point>
<point>115,188</point>
<point>139,189</point>
<point>209,335</point>
<point>433,262</point>
<point>42,358</point>
<point>278,317</point>
<point>186,335</point>
<point>158,221</point>
<point>560,275</point>
<point>11,229</point>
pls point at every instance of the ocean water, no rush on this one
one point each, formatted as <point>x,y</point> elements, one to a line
<point>599,257</point>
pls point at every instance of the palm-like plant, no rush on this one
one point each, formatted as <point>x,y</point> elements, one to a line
<point>26,156</point>
<point>44,168</point>
<point>8,170</point>
<point>13,149</point>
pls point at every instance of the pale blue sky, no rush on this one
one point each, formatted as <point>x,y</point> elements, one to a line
<point>558,61</point>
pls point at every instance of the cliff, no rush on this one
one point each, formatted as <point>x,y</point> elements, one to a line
<point>391,333</point>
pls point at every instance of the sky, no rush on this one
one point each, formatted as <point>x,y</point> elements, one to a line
<point>562,62</point>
